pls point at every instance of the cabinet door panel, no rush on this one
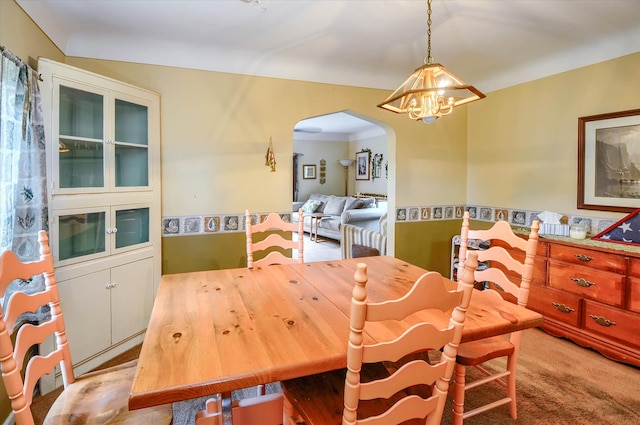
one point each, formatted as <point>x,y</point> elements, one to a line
<point>132,298</point>
<point>592,283</point>
<point>634,294</point>
<point>86,309</point>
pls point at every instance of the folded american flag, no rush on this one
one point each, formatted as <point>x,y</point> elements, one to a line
<point>626,230</point>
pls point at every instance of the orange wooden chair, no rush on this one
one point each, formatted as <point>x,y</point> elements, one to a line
<point>274,244</point>
<point>95,398</point>
<point>263,410</point>
<point>371,390</point>
<point>509,278</point>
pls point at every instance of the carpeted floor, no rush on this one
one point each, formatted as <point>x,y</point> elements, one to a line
<point>558,382</point>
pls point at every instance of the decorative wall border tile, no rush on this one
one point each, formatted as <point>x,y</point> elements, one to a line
<point>236,223</point>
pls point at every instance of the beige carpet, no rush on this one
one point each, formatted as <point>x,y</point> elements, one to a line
<point>560,382</point>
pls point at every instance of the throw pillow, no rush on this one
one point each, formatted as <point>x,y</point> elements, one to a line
<point>355,205</point>
<point>310,206</point>
<point>358,251</point>
<point>335,205</point>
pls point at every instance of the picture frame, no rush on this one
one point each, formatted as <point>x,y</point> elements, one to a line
<point>309,171</point>
<point>609,161</point>
<point>363,165</point>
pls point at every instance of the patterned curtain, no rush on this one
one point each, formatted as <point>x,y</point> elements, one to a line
<point>23,196</point>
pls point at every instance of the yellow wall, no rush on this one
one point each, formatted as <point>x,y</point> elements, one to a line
<point>523,140</point>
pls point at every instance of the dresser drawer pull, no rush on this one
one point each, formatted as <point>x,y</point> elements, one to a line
<point>580,281</point>
<point>602,321</point>
<point>584,258</point>
<point>563,308</point>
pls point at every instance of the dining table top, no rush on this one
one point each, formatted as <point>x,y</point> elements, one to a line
<point>221,330</point>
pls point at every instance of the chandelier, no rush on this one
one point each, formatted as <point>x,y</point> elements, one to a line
<point>431,91</point>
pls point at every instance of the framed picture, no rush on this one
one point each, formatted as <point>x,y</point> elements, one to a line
<point>309,171</point>
<point>363,166</point>
<point>609,161</point>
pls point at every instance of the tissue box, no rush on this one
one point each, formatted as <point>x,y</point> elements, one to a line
<point>554,229</point>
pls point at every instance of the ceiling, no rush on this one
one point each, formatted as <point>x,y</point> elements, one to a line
<point>491,44</point>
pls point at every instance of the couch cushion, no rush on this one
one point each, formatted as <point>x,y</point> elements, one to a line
<point>322,198</point>
<point>335,205</point>
<point>310,206</point>
<point>363,251</point>
<point>354,203</point>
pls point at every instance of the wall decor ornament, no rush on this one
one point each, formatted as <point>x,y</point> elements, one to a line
<point>309,171</point>
<point>376,166</point>
<point>363,165</point>
<point>609,161</point>
<point>323,171</point>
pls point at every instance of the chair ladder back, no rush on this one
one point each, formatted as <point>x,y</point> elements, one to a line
<point>274,222</point>
<point>502,231</point>
<point>422,336</point>
<point>12,357</point>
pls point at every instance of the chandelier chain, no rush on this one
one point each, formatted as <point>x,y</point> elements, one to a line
<point>428,59</point>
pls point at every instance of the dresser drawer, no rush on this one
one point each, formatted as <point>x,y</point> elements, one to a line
<point>634,294</point>
<point>593,259</point>
<point>599,285</point>
<point>634,267</point>
<point>555,304</point>
<point>612,323</point>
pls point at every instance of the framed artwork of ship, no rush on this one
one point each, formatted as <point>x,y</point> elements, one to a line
<point>609,161</point>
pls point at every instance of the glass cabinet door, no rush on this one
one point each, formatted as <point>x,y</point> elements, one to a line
<point>81,234</point>
<point>132,227</point>
<point>81,157</point>
<point>131,144</point>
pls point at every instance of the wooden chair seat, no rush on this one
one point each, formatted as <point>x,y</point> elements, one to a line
<point>101,397</point>
<point>477,352</point>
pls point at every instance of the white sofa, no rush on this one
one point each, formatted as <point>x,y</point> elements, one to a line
<point>339,210</point>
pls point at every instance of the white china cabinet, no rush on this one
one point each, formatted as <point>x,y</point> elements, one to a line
<point>103,169</point>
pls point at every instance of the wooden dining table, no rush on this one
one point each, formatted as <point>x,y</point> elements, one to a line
<point>222,330</point>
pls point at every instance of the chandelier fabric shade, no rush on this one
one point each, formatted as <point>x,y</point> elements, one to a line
<point>431,91</point>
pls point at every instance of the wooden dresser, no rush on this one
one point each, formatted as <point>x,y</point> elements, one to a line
<point>589,292</point>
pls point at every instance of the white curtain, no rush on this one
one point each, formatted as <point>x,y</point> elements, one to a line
<point>23,196</point>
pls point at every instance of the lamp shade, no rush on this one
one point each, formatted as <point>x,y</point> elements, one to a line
<point>346,162</point>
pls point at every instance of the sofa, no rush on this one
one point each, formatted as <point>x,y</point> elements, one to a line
<point>339,210</point>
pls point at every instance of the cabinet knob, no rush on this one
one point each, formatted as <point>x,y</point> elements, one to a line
<point>563,308</point>
<point>584,258</point>
<point>602,321</point>
<point>108,286</point>
<point>580,281</point>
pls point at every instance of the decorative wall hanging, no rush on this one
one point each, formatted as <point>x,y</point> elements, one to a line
<point>363,166</point>
<point>270,157</point>
<point>309,171</point>
<point>608,169</point>
<point>323,171</point>
<point>376,166</point>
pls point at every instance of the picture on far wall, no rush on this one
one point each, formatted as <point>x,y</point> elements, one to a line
<point>609,161</point>
<point>309,171</point>
<point>363,166</point>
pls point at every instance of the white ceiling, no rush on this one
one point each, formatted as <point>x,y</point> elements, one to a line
<point>491,44</point>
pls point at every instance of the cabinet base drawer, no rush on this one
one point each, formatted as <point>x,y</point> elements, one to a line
<point>556,304</point>
<point>598,285</point>
<point>612,323</point>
